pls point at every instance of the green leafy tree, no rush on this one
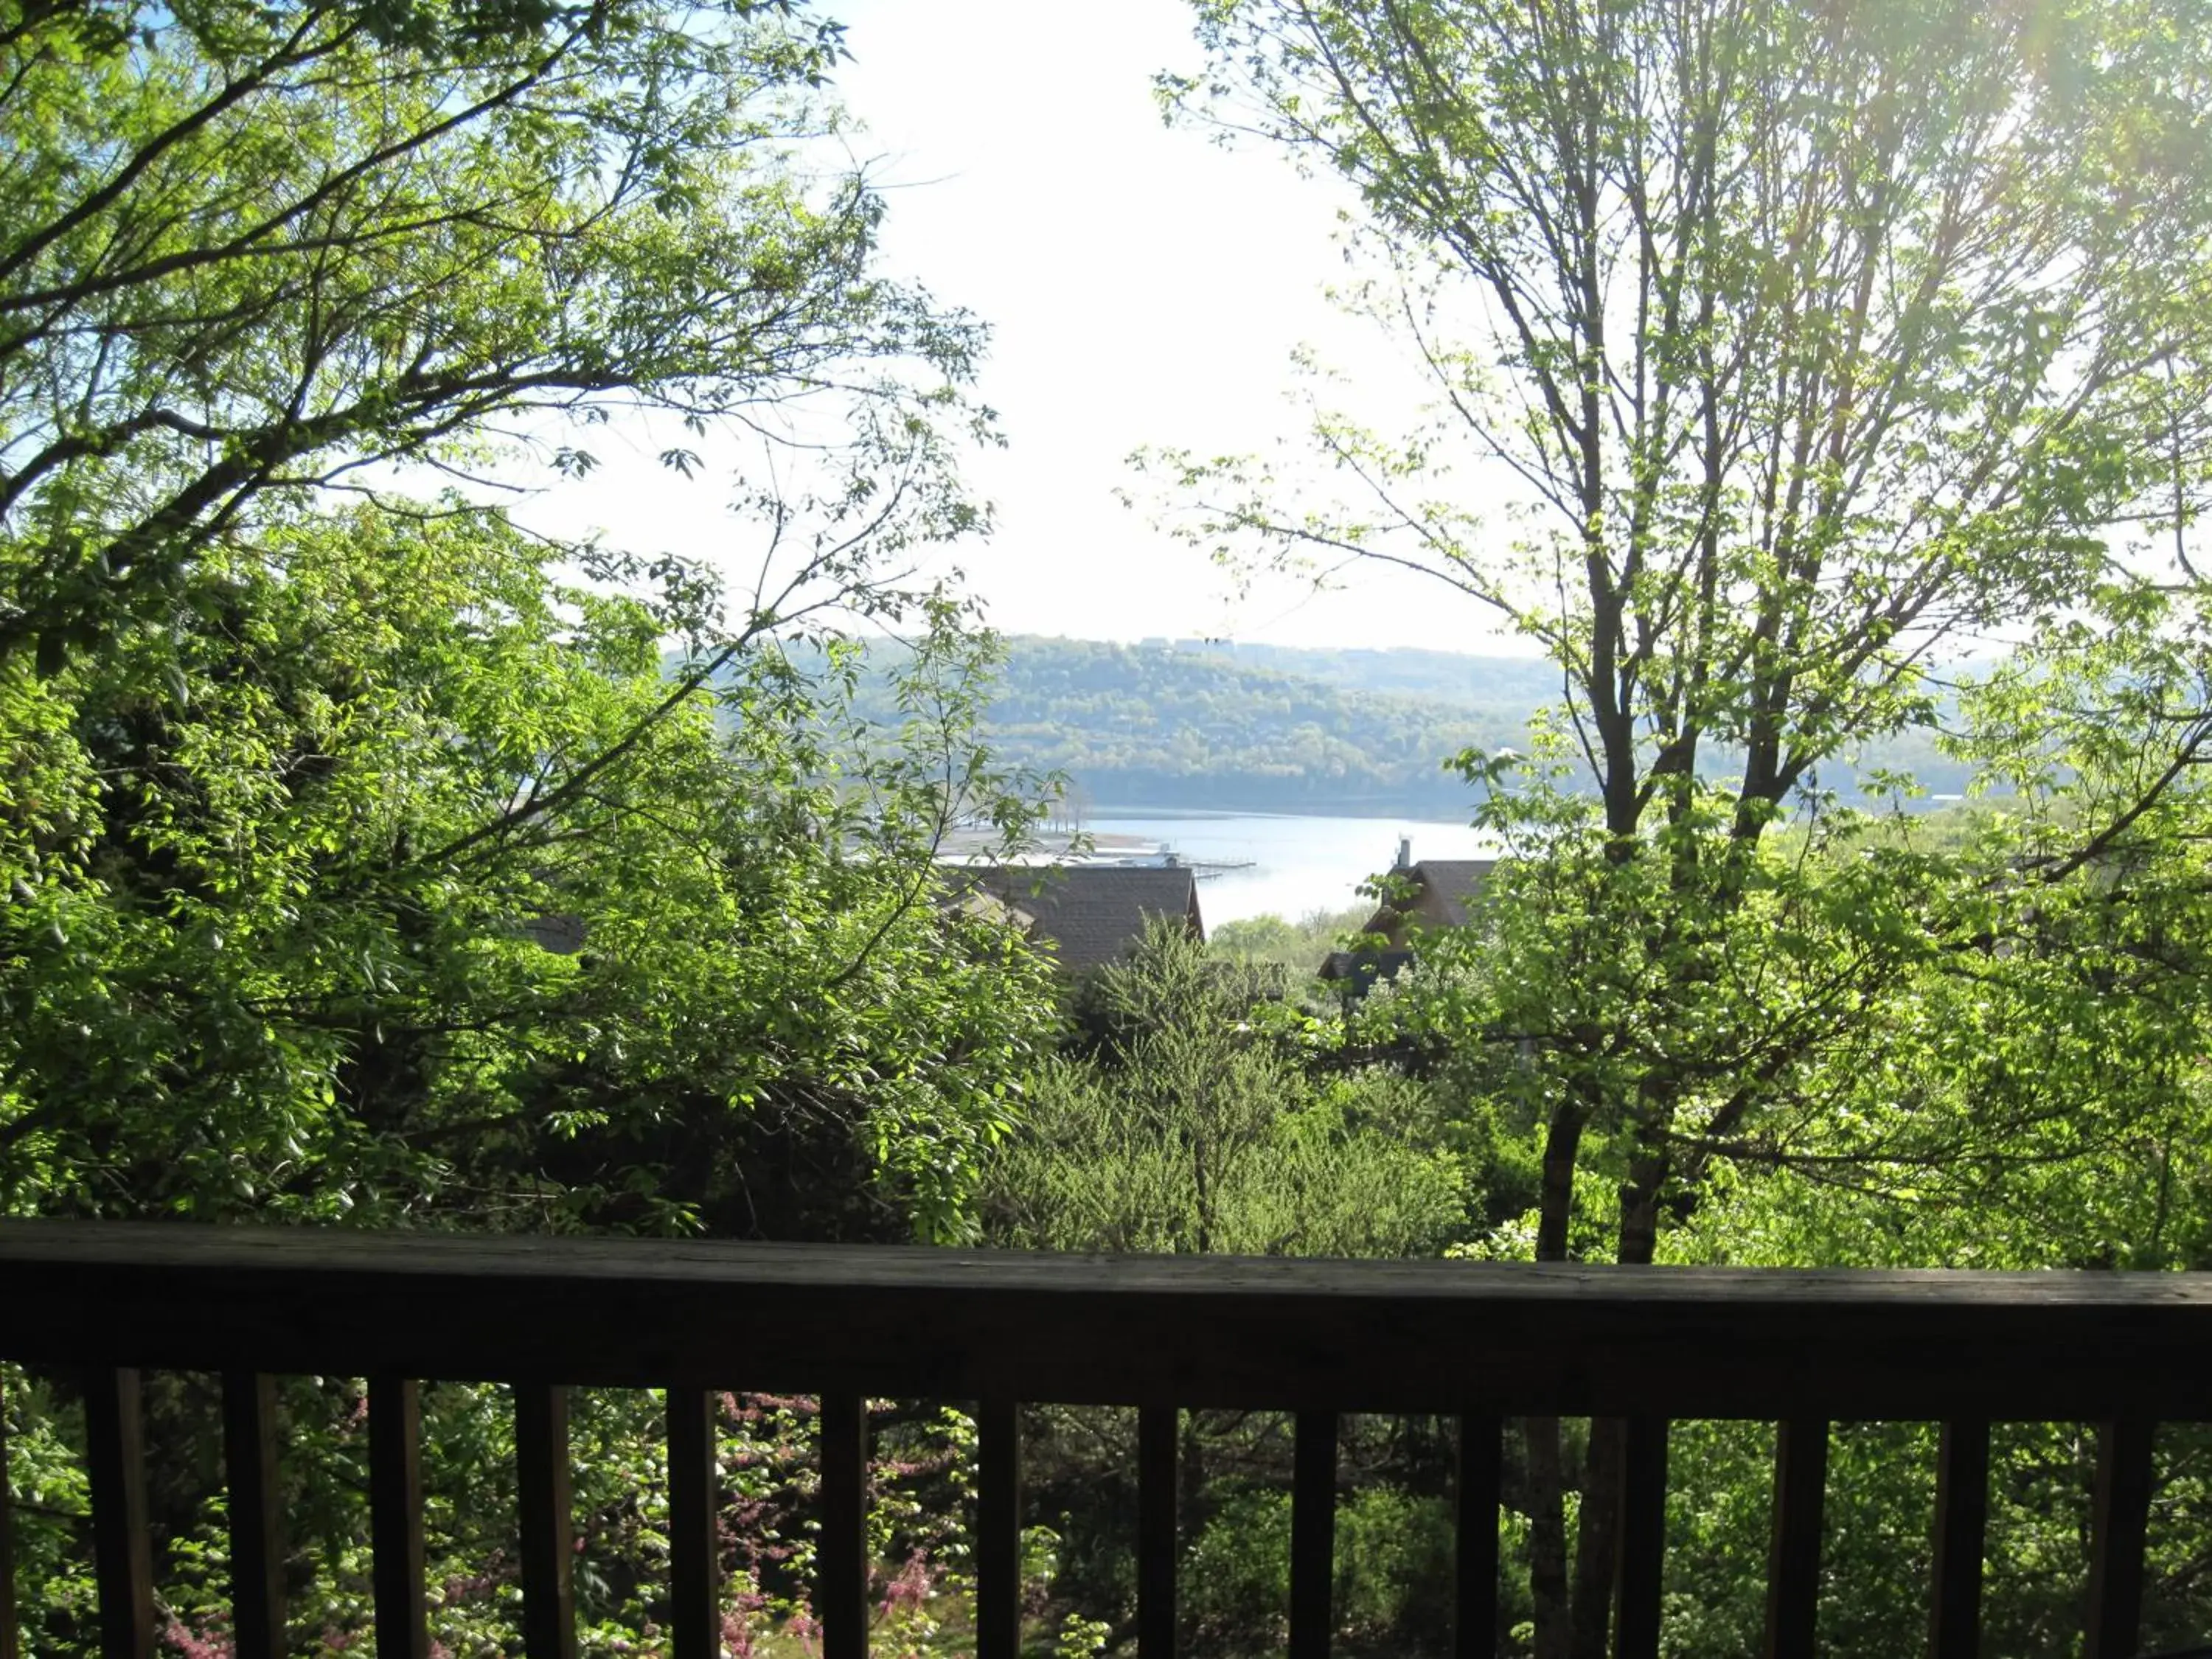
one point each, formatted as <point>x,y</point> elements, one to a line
<point>1182,1122</point>
<point>1295,949</point>
<point>395,882</point>
<point>1192,1131</point>
<point>339,875</point>
<point>390,886</point>
<point>247,252</point>
<point>366,859</point>
<point>1809,344</point>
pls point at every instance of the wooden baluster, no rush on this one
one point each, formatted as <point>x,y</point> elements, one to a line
<point>1962,1510</point>
<point>2118,1524</point>
<point>999,1532</point>
<point>8,1649</point>
<point>1643,1538</point>
<point>123,1560</point>
<point>1313,1534</point>
<point>840,1583</point>
<point>694,1546</point>
<point>543,1491</point>
<point>395,1517</point>
<point>256,1545</point>
<point>1475,1632</point>
<point>1156,1428</point>
<point>1793,1565</point>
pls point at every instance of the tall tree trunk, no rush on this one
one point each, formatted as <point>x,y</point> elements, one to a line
<point>1563,1141</point>
<point>1597,1541</point>
<point>1649,1167</point>
<point>1547,1537</point>
<point>1548,1475</point>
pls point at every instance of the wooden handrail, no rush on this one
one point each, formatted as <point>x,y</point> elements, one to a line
<point>1478,1341</point>
<point>1389,1336</point>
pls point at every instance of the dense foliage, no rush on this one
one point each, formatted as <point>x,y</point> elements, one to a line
<point>1185,1128</point>
<point>319,913</point>
<point>1810,345</point>
<point>1178,1121</point>
<point>364,859</point>
<point>1293,949</point>
<point>367,860</point>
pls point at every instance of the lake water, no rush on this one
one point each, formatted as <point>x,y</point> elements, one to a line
<point>1298,865</point>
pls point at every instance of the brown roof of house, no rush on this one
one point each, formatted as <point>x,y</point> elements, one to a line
<point>1093,913</point>
<point>1449,883</point>
<point>1441,888</point>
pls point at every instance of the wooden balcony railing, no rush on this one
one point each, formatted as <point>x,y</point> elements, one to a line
<point>1314,1337</point>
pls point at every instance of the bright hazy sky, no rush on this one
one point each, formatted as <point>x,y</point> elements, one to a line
<point>1144,287</point>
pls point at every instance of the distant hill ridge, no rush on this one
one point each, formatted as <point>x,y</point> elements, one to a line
<point>1194,724</point>
<point>1471,680</point>
<point>1258,729</point>
<point>1348,732</point>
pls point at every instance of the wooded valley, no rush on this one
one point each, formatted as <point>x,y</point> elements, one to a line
<point>371,860</point>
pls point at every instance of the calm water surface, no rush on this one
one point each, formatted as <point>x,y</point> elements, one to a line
<point>1298,865</point>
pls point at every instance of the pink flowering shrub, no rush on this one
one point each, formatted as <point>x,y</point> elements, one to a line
<point>921,1485</point>
<point>210,1643</point>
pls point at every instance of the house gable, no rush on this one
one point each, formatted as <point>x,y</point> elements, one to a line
<point>1434,893</point>
<point>1093,914</point>
<point>1440,890</point>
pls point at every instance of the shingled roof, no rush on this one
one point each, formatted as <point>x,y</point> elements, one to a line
<point>1093,914</point>
<point>1440,890</point>
<point>1445,884</point>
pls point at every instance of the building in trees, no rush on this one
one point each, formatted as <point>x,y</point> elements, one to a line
<point>1091,915</point>
<point>1432,893</point>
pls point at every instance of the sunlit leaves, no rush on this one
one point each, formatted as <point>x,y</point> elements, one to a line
<point>245,250</point>
<point>420,900</point>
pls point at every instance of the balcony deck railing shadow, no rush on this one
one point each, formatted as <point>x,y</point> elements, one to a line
<point>1799,1348</point>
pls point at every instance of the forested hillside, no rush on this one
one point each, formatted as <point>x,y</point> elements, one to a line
<point>371,860</point>
<point>1467,679</point>
<point>1281,729</point>
<point>1150,726</point>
